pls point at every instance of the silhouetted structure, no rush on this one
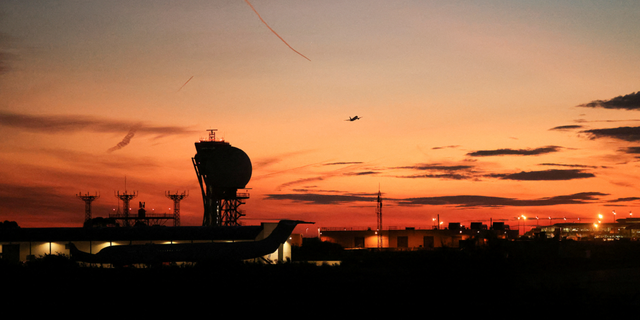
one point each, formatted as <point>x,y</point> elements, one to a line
<point>221,170</point>
<point>410,238</point>
<point>124,238</point>
<point>88,199</point>
<point>126,198</point>
<point>267,242</point>
<point>142,218</point>
<point>626,228</point>
<point>176,197</point>
<point>379,217</point>
<point>191,252</point>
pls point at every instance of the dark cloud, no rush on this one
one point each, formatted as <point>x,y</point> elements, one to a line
<point>437,167</point>
<point>567,127</point>
<point>606,121</point>
<point>79,123</point>
<point>445,147</point>
<point>300,181</point>
<point>312,198</point>
<point>353,169</point>
<point>341,163</point>
<point>446,176</point>
<point>627,199</point>
<point>439,171</point>
<point>627,102</point>
<point>630,150</point>
<point>467,172</point>
<point>126,140</point>
<point>568,165</point>
<point>361,173</point>
<point>30,197</point>
<point>621,133</point>
<point>519,152</point>
<point>470,201</point>
<point>460,201</point>
<point>546,175</point>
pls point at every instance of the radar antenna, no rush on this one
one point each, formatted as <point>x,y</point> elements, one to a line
<point>176,197</point>
<point>88,199</point>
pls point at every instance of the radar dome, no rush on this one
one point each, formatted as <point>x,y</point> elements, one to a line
<point>223,166</point>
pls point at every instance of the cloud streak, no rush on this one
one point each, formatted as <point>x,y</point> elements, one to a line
<point>546,175</point>
<point>465,172</point>
<point>458,201</point>
<point>78,123</point>
<point>631,134</point>
<point>516,152</point>
<point>125,141</point>
<point>630,150</point>
<point>472,201</point>
<point>626,102</point>
<point>322,199</point>
<point>566,128</point>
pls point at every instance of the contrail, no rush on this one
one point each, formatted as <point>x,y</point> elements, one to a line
<point>294,50</point>
<point>125,141</point>
<point>185,83</point>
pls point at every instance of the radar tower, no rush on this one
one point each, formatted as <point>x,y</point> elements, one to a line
<point>221,170</point>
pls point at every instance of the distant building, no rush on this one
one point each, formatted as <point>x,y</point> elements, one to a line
<point>628,228</point>
<point>416,239</point>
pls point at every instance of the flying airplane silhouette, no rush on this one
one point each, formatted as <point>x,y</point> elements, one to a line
<point>353,119</point>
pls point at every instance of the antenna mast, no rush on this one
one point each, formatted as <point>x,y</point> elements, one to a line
<point>126,197</point>
<point>176,197</point>
<point>87,198</point>
<point>379,216</point>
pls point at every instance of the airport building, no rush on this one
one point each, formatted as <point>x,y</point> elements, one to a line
<point>24,244</point>
<point>416,239</point>
<point>456,236</point>
<point>628,229</point>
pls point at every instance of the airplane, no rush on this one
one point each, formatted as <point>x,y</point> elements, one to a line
<point>353,119</point>
<point>121,255</point>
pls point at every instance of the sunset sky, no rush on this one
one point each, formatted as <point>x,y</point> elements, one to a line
<point>471,110</point>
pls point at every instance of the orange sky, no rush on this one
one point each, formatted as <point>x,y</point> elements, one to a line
<point>473,112</point>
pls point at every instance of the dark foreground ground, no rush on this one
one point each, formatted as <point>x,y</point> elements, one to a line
<point>522,278</point>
